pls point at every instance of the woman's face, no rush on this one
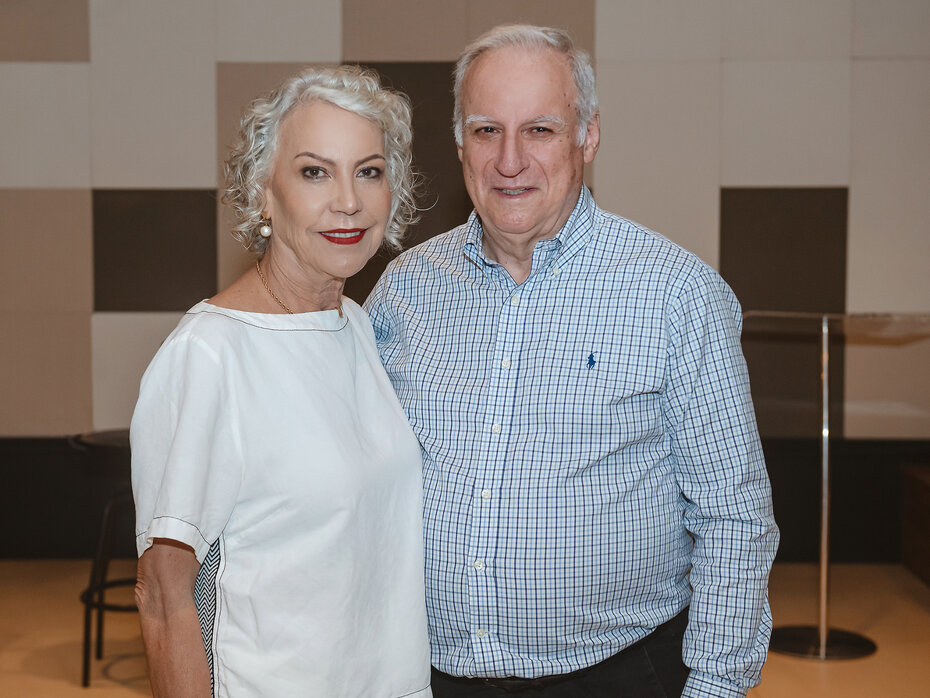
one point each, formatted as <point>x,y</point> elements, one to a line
<point>327,197</point>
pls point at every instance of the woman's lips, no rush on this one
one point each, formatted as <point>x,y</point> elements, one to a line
<point>344,236</point>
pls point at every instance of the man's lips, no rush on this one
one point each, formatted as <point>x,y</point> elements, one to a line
<point>344,236</point>
<point>513,191</point>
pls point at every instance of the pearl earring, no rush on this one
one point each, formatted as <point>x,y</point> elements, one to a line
<point>265,230</point>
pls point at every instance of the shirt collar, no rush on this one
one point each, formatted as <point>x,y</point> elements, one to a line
<point>573,236</point>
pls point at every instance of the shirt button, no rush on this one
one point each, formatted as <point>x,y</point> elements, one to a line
<point>555,271</point>
<point>515,299</point>
<point>505,363</point>
<point>481,632</point>
<point>496,428</point>
<point>485,494</point>
<point>479,565</point>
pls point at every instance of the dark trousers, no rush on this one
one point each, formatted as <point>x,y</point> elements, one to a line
<point>651,668</point>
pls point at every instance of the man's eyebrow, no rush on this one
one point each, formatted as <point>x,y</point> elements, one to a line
<point>475,118</point>
<point>548,119</point>
<point>544,119</point>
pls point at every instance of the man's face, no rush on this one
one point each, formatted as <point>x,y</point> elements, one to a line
<point>522,165</point>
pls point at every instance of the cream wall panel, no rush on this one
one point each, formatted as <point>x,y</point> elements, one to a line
<point>123,346</point>
<point>889,245</point>
<point>44,125</point>
<point>45,373</point>
<point>886,391</point>
<point>403,30</point>
<point>787,29</point>
<point>48,233</point>
<point>785,123</point>
<point>576,17</point>
<point>279,30</point>
<point>657,29</point>
<point>658,161</point>
<point>889,237</point>
<point>154,97</point>
<point>891,28</point>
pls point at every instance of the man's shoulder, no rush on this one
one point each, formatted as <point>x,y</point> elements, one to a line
<point>625,239</point>
<point>440,250</point>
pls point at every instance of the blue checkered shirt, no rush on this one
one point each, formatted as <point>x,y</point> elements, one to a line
<point>591,458</point>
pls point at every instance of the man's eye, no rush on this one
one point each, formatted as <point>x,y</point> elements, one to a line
<point>541,129</point>
<point>484,129</point>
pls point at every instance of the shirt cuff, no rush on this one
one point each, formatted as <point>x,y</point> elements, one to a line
<point>706,686</point>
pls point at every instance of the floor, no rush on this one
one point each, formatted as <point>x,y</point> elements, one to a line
<point>40,634</point>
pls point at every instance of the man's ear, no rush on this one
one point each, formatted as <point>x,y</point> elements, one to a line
<point>592,138</point>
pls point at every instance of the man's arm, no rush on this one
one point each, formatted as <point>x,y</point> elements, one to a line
<point>727,496</point>
<point>170,626</point>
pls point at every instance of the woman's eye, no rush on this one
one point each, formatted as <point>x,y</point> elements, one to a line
<point>370,172</point>
<point>313,172</point>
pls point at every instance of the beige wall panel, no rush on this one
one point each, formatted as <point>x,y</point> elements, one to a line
<point>787,29</point>
<point>403,30</point>
<point>657,29</point>
<point>785,123</point>
<point>123,346</point>
<point>279,30</point>
<point>886,391</point>
<point>237,84</point>
<point>576,17</point>
<point>44,30</point>
<point>658,161</point>
<point>154,97</point>
<point>45,373</point>
<point>889,203</point>
<point>48,234</point>
<point>891,28</point>
<point>44,125</point>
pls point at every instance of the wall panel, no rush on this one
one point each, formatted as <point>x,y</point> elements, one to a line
<point>153,94</point>
<point>45,125</point>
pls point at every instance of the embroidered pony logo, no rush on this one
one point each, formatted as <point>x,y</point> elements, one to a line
<point>591,361</point>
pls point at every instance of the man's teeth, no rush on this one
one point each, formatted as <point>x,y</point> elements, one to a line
<point>514,191</point>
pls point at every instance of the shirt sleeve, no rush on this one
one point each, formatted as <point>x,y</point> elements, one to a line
<point>725,488</point>
<point>186,463</point>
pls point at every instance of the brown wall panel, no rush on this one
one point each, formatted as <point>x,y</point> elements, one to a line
<point>154,250</point>
<point>44,30</point>
<point>785,249</point>
<point>48,234</point>
<point>443,195</point>
<point>45,371</point>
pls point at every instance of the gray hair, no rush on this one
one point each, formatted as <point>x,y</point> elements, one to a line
<point>352,88</point>
<point>527,36</point>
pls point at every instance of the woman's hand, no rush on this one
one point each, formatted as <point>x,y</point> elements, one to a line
<point>170,626</point>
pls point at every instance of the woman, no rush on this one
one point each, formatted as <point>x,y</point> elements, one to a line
<point>275,476</point>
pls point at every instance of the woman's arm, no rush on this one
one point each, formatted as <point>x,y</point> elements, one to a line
<point>170,627</point>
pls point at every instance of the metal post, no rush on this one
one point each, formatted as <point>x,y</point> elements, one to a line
<point>823,627</point>
<point>804,640</point>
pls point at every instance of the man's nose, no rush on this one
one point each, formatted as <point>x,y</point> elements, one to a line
<point>511,157</point>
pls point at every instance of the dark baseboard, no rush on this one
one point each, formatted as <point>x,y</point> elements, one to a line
<point>52,498</point>
<point>865,501</point>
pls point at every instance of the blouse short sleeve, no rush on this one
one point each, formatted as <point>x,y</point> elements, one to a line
<point>186,464</point>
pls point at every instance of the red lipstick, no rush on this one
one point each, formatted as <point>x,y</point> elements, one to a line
<point>344,236</point>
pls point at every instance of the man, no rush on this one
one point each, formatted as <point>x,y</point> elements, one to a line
<point>598,515</point>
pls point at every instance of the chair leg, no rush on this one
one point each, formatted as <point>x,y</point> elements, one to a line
<point>85,664</point>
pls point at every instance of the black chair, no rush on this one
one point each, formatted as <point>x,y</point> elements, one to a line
<point>107,452</point>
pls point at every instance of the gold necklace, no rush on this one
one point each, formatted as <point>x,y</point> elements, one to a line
<point>258,268</point>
